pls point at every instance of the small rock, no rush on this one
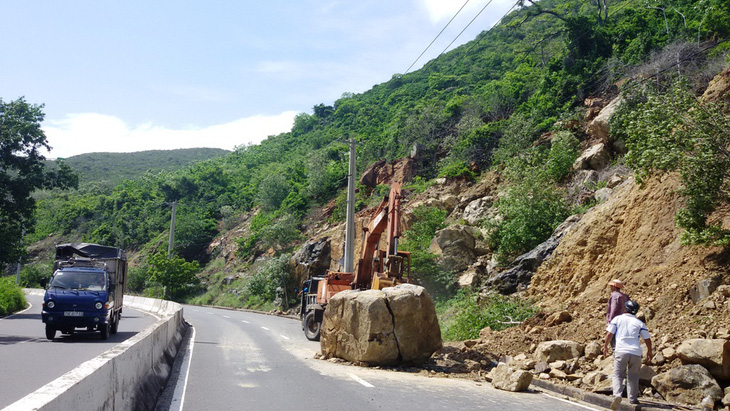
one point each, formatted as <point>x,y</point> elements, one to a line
<point>557,365</point>
<point>550,351</point>
<point>593,350</point>
<point>558,318</point>
<point>709,305</point>
<point>470,343</point>
<point>614,181</point>
<point>669,353</point>
<point>541,367</point>
<point>544,376</point>
<point>506,378</point>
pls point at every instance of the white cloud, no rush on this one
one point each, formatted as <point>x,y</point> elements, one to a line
<point>92,132</point>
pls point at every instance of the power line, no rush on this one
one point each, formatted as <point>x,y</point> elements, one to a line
<point>467,26</point>
<point>437,36</point>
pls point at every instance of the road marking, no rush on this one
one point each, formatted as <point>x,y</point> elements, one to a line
<point>19,312</point>
<point>361,381</point>
<point>225,316</point>
<point>244,321</point>
<point>284,337</point>
<point>178,397</point>
<point>572,402</point>
<point>265,328</point>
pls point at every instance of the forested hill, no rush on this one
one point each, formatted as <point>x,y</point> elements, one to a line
<point>482,106</point>
<point>111,168</point>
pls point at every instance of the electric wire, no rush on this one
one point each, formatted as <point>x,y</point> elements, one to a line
<point>437,36</point>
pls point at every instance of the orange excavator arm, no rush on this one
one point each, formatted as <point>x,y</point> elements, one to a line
<point>386,218</point>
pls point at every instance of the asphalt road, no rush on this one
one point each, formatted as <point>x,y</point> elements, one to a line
<point>28,360</point>
<point>237,360</point>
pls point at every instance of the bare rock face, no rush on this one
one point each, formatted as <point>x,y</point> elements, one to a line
<point>384,172</point>
<point>712,354</point>
<point>313,258</point>
<point>687,384</point>
<point>507,378</point>
<point>550,351</point>
<point>381,327</point>
<point>478,209</point>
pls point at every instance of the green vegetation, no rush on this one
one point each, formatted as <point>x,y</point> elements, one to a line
<point>102,171</point>
<point>11,296</point>
<point>425,270</point>
<point>675,131</point>
<point>21,173</point>
<point>489,104</point>
<point>533,205</point>
<point>462,317</point>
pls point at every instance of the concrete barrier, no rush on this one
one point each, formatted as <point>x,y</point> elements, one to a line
<point>129,376</point>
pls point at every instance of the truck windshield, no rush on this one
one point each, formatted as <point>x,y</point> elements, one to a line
<point>79,280</point>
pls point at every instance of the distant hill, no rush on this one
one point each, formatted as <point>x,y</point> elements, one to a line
<point>112,168</point>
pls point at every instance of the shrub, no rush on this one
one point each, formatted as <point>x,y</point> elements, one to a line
<point>176,275</point>
<point>11,296</point>
<point>457,169</point>
<point>466,314</point>
<point>283,232</point>
<point>271,282</point>
<point>674,131</point>
<point>32,274</point>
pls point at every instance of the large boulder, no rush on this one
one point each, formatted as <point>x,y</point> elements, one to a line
<point>687,384</point>
<point>597,157</point>
<point>713,354</point>
<point>550,351</point>
<point>456,246</point>
<point>507,378</point>
<point>381,327</point>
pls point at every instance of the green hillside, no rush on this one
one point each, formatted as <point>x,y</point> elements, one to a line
<point>109,169</point>
<point>482,106</point>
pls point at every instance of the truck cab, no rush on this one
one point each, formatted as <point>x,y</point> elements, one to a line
<point>84,293</point>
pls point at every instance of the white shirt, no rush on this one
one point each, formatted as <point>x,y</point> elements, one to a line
<point>627,329</point>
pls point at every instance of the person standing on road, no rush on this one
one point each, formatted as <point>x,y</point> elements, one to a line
<point>629,331</point>
<point>616,301</point>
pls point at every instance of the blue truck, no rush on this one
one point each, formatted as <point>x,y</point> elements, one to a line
<point>86,290</point>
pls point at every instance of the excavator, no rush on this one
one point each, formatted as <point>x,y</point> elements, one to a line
<point>376,268</point>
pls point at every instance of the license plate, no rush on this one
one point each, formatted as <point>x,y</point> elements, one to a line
<point>73,313</point>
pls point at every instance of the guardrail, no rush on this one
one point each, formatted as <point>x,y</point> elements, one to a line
<point>129,376</point>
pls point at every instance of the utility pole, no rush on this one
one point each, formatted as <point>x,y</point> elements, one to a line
<point>350,218</point>
<point>172,230</point>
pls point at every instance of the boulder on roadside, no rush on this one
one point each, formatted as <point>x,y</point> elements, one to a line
<point>713,354</point>
<point>507,378</point>
<point>551,351</point>
<point>687,384</point>
<point>381,327</point>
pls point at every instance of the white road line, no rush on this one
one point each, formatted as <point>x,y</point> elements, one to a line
<point>178,397</point>
<point>19,312</point>
<point>225,316</point>
<point>572,402</point>
<point>244,321</point>
<point>265,328</point>
<point>284,337</point>
<point>361,381</point>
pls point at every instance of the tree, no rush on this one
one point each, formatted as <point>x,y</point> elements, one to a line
<point>22,172</point>
<point>175,274</point>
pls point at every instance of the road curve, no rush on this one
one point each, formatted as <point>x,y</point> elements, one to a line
<point>29,360</point>
<point>247,361</point>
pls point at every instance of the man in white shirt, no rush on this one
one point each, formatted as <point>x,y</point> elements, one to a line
<point>629,331</point>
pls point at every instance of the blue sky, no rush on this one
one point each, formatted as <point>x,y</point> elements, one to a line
<point>141,75</point>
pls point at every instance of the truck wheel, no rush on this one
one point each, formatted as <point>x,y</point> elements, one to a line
<point>312,327</point>
<point>50,332</point>
<point>115,324</point>
<point>104,330</point>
